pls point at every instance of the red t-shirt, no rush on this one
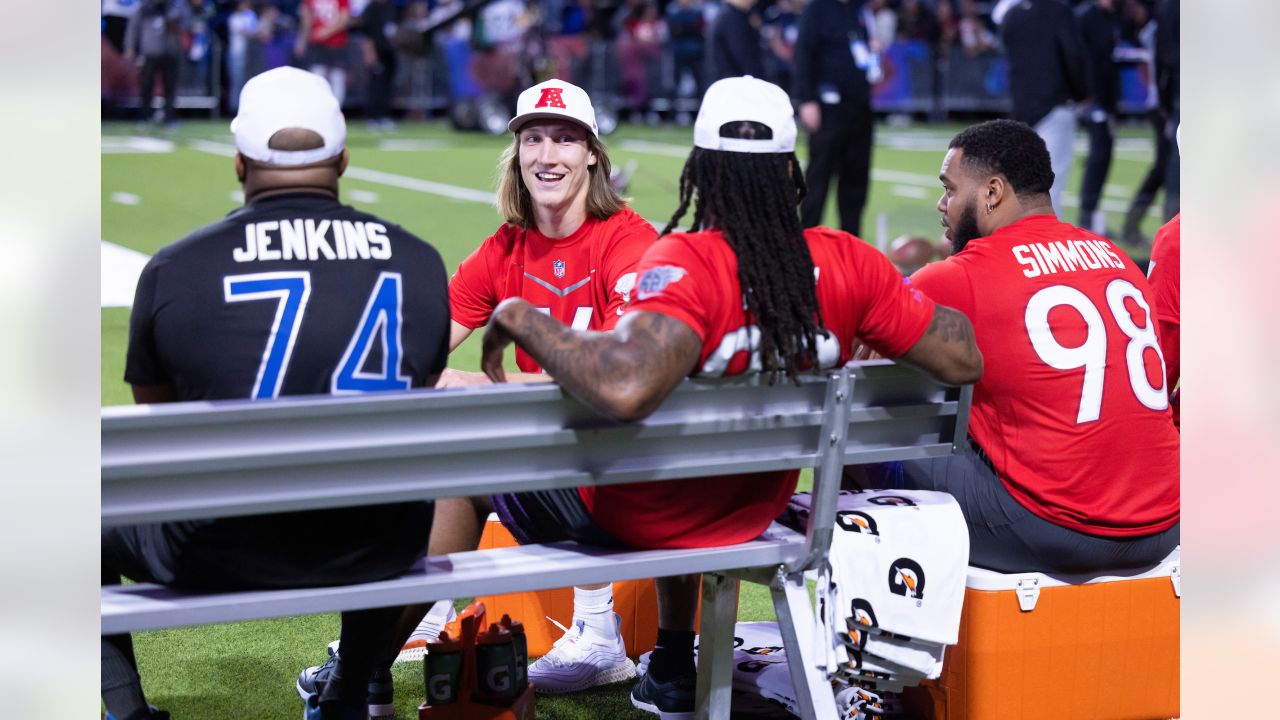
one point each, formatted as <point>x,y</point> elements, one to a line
<point>1165,276</point>
<point>583,280</point>
<point>1071,407</point>
<point>694,278</point>
<point>324,15</point>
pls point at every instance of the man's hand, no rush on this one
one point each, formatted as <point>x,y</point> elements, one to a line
<point>497,338</point>
<point>811,116</point>
<point>863,351</point>
<point>451,378</point>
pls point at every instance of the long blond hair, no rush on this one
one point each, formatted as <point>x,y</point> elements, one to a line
<point>516,206</point>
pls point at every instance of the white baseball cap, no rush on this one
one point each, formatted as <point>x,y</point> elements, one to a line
<point>745,99</point>
<point>555,100</point>
<point>287,97</point>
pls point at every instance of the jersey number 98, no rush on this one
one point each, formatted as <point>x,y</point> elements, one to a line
<point>1092,353</point>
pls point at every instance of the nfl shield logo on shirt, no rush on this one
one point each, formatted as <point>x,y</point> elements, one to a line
<point>557,267</point>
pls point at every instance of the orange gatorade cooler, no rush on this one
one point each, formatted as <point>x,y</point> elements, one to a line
<point>635,601</point>
<point>1045,647</point>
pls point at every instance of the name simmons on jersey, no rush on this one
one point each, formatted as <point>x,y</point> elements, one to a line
<point>1050,258</point>
<point>312,239</point>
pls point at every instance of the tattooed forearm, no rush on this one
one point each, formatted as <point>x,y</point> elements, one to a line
<point>625,373</point>
<point>947,351</point>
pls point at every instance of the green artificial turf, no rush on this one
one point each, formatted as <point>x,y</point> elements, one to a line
<point>247,670</point>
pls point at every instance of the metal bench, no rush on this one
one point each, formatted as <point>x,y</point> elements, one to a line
<point>216,459</point>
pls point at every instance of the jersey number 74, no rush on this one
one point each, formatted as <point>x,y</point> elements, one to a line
<point>380,322</point>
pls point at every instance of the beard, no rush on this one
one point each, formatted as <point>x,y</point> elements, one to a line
<point>966,228</point>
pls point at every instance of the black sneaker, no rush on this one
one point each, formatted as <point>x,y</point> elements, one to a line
<point>670,700</point>
<point>381,699</point>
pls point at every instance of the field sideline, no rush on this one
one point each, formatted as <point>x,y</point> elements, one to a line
<point>157,187</point>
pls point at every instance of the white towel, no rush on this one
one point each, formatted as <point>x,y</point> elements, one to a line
<point>900,557</point>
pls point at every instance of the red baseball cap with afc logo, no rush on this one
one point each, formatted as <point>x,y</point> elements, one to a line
<point>554,100</point>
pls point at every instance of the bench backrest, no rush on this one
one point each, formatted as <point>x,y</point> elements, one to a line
<point>225,458</point>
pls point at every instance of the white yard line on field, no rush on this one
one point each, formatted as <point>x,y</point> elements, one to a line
<point>377,176</point>
<point>116,144</point>
<point>124,198</point>
<point>120,270</point>
<point>361,196</point>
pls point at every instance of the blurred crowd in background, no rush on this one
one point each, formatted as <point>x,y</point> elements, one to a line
<point>644,60</point>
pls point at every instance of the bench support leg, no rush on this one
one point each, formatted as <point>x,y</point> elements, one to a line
<point>715,646</point>
<point>814,697</point>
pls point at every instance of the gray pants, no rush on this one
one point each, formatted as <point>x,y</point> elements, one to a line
<point>1058,130</point>
<point>1006,537</point>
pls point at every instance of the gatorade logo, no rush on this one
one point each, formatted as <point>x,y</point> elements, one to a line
<point>892,500</point>
<point>498,680</point>
<point>551,97</point>
<point>855,666</point>
<point>857,521</point>
<point>906,578</point>
<point>440,689</point>
<point>860,616</point>
<point>763,650</point>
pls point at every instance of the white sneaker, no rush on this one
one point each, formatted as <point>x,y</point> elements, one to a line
<point>582,659</point>
<point>441,614</point>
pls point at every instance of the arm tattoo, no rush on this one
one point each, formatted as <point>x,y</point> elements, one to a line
<point>626,373</point>
<point>950,326</point>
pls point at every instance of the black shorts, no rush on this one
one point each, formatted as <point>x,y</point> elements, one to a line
<point>547,516</point>
<point>339,546</point>
<point>1006,537</point>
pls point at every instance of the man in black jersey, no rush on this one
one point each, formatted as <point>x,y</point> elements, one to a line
<point>292,294</point>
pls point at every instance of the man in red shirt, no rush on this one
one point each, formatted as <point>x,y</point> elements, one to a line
<point>569,246</point>
<point>747,290</point>
<point>322,41</point>
<point>1165,276</point>
<point>1074,459</point>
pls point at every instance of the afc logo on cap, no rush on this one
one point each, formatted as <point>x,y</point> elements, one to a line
<point>551,97</point>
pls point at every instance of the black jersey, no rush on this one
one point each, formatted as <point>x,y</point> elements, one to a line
<point>296,294</point>
<point>292,295</point>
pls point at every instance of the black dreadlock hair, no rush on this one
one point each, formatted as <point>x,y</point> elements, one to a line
<point>753,199</point>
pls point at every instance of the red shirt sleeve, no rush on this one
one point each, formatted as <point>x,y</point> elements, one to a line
<point>946,283</point>
<point>1166,278</point>
<point>473,290</point>
<point>897,314</point>
<point>620,263</point>
<point>674,281</point>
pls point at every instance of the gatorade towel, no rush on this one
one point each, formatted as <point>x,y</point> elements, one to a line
<point>898,562</point>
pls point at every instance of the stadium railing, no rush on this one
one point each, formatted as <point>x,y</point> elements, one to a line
<point>216,459</point>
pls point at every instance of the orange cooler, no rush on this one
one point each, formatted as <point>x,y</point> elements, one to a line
<point>1035,646</point>
<point>635,601</point>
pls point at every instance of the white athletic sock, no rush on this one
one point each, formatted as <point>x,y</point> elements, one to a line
<point>595,609</point>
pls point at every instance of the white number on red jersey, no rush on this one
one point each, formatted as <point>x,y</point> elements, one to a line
<point>747,340</point>
<point>1092,353</point>
<point>581,317</point>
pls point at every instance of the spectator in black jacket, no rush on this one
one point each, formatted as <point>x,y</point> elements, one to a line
<point>1047,75</point>
<point>1168,47</point>
<point>830,81</point>
<point>378,21</point>
<point>1100,29</point>
<point>735,42</point>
